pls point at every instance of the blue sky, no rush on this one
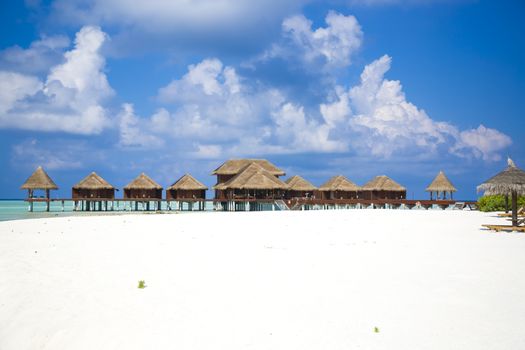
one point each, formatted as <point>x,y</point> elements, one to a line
<point>353,87</point>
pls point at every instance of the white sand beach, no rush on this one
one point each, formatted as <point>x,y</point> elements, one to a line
<point>341,279</point>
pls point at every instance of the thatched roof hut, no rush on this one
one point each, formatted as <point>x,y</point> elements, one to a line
<point>299,187</point>
<point>39,180</point>
<point>339,183</point>
<point>143,186</point>
<point>297,183</point>
<point>93,186</point>
<point>509,181</point>
<point>252,180</point>
<point>441,185</point>
<point>186,187</point>
<point>234,166</point>
<point>339,187</point>
<point>383,187</point>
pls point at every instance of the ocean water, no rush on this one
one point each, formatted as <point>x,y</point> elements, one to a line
<point>18,209</point>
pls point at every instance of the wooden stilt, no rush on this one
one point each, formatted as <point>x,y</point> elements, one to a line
<point>514,208</point>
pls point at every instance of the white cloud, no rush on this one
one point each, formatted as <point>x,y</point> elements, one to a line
<point>206,78</point>
<point>325,48</point>
<point>387,123</point>
<point>178,17</point>
<point>133,133</point>
<point>15,87</point>
<point>390,122</point>
<point>71,98</point>
<point>218,113</point>
<point>213,103</point>
<point>295,132</point>
<point>37,58</point>
<point>482,142</point>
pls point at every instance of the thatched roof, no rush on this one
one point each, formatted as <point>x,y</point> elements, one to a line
<point>93,182</point>
<point>510,179</point>
<point>339,183</point>
<point>297,183</point>
<point>253,177</point>
<point>39,180</point>
<point>441,184</point>
<point>187,182</point>
<point>143,182</point>
<point>234,166</point>
<point>383,183</point>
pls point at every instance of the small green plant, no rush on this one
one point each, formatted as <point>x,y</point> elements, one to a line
<point>142,284</point>
<point>376,330</point>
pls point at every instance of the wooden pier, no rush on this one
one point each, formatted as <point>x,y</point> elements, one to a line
<point>246,204</point>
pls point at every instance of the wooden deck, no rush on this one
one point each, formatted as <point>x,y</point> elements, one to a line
<point>249,204</point>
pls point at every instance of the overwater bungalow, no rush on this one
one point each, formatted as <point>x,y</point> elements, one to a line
<point>441,186</point>
<point>233,167</point>
<point>145,188</point>
<point>187,189</point>
<point>298,187</point>
<point>383,187</point>
<point>89,189</point>
<point>39,180</point>
<point>93,186</point>
<point>252,182</point>
<point>339,187</point>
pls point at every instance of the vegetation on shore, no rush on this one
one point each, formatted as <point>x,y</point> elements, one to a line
<point>496,203</point>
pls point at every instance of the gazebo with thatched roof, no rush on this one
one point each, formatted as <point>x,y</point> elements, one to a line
<point>298,187</point>
<point>441,185</point>
<point>252,182</point>
<point>383,187</point>
<point>145,188</point>
<point>187,189</point>
<point>93,186</point>
<point>510,181</point>
<point>339,187</point>
<point>91,190</point>
<point>229,169</point>
<point>39,180</point>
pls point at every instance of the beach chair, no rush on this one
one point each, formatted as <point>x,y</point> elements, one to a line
<point>521,212</point>
<point>520,227</point>
<point>459,206</point>
<point>506,228</point>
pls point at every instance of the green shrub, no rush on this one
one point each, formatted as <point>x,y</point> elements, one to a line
<point>496,203</point>
<point>142,284</point>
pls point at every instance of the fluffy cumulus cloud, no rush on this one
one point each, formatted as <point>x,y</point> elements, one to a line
<point>329,47</point>
<point>37,58</point>
<point>70,99</point>
<point>482,142</point>
<point>377,118</point>
<point>131,132</point>
<point>213,111</point>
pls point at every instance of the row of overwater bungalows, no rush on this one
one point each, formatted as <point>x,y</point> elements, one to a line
<point>240,179</point>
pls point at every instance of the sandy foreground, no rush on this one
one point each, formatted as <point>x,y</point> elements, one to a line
<point>263,280</point>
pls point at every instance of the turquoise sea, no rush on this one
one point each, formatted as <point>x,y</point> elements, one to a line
<point>18,209</point>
